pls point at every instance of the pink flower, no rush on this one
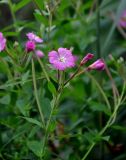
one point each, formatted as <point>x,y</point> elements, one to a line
<point>122,21</point>
<point>30,46</point>
<point>39,53</point>
<point>62,59</point>
<point>2,42</point>
<point>32,37</point>
<point>98,65</point>
<point>86,58</point>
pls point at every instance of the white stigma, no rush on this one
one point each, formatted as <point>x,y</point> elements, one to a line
<point>62,59</point>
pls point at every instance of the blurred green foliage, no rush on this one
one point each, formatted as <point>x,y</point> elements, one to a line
<point>83,109</point>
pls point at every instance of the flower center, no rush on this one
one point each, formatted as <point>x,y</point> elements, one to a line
<point>123,18</point>
<point>62,59</point>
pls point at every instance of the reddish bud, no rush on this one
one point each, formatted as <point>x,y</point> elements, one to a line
<point>98,65</point>
<point>86,58</point>
<point>30,46</point>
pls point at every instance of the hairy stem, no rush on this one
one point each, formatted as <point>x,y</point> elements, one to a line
<point>54,105</point>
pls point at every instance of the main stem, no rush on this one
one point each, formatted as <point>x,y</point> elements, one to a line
<point>49,122</point>
<point>54,105</point>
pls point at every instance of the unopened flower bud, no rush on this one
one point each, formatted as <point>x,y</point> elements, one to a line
<point>30,46</point>
<point>98,65</point>
<point>39,53</point>
<point>88,57</point>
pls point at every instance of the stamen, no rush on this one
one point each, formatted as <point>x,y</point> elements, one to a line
<point>62,59</point>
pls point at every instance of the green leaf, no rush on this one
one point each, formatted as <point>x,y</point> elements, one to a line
<point>98,138</point>
<point>41,18</point>
<point>25,76</point>
<point>39,4</point>
<point>52,126</point>
<point>94,136</point>
<point>10,121</point>
<point>5,100</point>
<point>22,105</point>
<point>121,128</point>
<point>51,88</point>
<point>4,68</point>
<point>106,138</point>
<point>95,106</point>
<point>11,34</point>
<point>89,136</point>
<point>33,121</point>
<point>74,125</point>
<point>21,4</point>
<point>46,107</point>
<point>35,147</point>
<point>35,129</point>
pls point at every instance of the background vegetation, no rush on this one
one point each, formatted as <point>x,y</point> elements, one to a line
<point>86,104</point>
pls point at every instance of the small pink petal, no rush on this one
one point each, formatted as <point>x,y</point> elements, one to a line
<point>2,42</point>
<point>32,37</point>
<point>122,21</point>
